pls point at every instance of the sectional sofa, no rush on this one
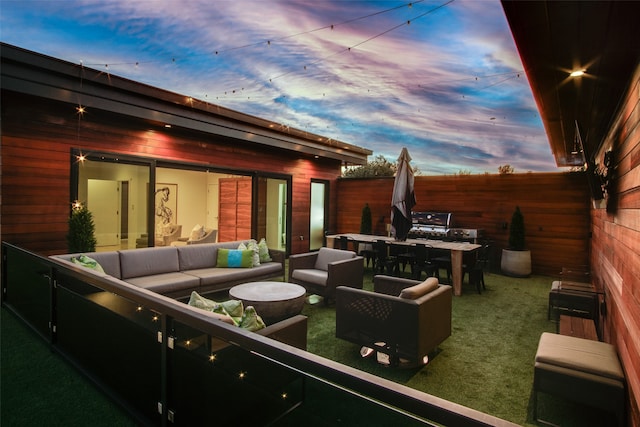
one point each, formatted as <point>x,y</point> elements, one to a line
<point>177,271</point>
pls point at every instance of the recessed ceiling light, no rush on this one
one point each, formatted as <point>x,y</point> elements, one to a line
<point>577,73</point>
<point>167,126</point>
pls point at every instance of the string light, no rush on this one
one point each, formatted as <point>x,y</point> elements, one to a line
<point>81,110</point>
<point>331,27</point>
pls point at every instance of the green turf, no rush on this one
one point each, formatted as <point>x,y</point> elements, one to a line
<point>38,388</point>
<point>487,362</point>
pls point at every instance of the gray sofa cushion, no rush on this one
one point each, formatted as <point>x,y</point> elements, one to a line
<point>167,283</point>
<point>329,255</point>
<point>193,257</point>
<point>213,276</point>
<point>148,262</point>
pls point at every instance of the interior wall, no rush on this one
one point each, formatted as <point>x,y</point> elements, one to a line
<point>138,179</point>
<point>615,257</point>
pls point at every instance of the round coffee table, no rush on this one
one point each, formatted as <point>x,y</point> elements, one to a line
<point>273,301</point>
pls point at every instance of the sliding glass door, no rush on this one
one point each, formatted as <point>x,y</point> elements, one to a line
<point>318,217</point>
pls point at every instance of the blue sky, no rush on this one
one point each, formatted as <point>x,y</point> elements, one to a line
<point>442,78</point>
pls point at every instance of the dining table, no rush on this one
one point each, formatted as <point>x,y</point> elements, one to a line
<point>456,249</point>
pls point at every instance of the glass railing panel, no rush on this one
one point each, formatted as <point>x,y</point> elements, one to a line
<point>239,387</point>
<point>328,404</point>
<point>27,288</point>
<point>114,339</point>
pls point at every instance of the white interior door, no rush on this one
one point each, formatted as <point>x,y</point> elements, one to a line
<point>103,201</point>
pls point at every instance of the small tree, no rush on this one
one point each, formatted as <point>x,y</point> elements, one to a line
<point>505,169</point>
<point>516,231</point>
<point>81,237</point>
<point>365,220</point>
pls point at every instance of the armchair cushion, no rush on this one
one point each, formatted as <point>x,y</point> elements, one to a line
<point>327,256</point>
<point>420,289</point>
<point>311,275</point>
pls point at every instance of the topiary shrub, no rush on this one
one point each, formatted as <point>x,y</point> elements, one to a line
<point>81,237</point>
<point>365,220</point>
<point>516,231</point>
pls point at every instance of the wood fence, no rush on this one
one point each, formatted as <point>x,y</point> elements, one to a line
<point>556,209</point>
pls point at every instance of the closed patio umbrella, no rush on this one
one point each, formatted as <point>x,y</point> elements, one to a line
<point>403,198</point>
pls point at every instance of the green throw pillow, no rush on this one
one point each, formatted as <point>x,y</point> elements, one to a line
<point>263,251</point>
<point>245,318</point>
<point>234,258</point>
<point>251,321</point>
<point>253,245</point>
<point>87,262</point>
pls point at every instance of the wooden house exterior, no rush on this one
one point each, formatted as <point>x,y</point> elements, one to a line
<point>56,115</point>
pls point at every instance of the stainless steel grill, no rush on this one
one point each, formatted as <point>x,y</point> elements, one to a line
<point>466,234</point>
<point>430,224</point>
<point>437,225</point>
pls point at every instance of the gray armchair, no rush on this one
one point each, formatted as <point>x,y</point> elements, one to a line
<point>170,233</point>
<point>321,272</point>
<point>404,319</point>
<point>210,236</point>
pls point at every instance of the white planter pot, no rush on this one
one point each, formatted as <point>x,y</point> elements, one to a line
<point>516,263</point>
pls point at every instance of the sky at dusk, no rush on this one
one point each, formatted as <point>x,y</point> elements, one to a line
<point>442,78</point>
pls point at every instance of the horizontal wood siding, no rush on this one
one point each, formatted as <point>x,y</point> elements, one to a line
<point>37,138</point>
<point>555,207</point>
<point>616,243</point>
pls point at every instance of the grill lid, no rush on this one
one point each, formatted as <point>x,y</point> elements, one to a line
<point>431,219</point>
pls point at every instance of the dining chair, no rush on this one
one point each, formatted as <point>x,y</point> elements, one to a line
<point>384,261</point>
<point>422,262</point>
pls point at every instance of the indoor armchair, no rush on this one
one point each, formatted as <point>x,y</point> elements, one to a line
<point>168,234</point>
<point>405,319</point>
<point>321,272</point>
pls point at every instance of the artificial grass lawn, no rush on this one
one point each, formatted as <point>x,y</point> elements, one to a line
<point>38,388</point>
<point>487,362</point>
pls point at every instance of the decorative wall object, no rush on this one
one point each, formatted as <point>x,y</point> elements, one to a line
<point>166,197</point>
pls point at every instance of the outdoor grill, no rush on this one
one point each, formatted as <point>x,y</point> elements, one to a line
<point>430,225</point>
<point>437,225</point>
<point>466,234</point>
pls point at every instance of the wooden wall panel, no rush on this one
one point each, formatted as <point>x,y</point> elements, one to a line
<point>555,207</point>
<point>38,136</point>
<point>615,254</point>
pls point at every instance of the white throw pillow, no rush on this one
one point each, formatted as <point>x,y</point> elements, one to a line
<point>197,232</point>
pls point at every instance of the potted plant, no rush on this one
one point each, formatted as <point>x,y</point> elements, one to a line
<point>81,237</point>
<point>365,220</point>
<point>516,260</point>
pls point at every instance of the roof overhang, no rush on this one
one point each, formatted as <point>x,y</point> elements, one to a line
<point>39,75</point>
<point>555,38</point>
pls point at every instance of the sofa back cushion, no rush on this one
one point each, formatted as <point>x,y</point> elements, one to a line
<point>416,291</point>
<point>329,255</point>
<point>194,257</point>
<point>148,261</point>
